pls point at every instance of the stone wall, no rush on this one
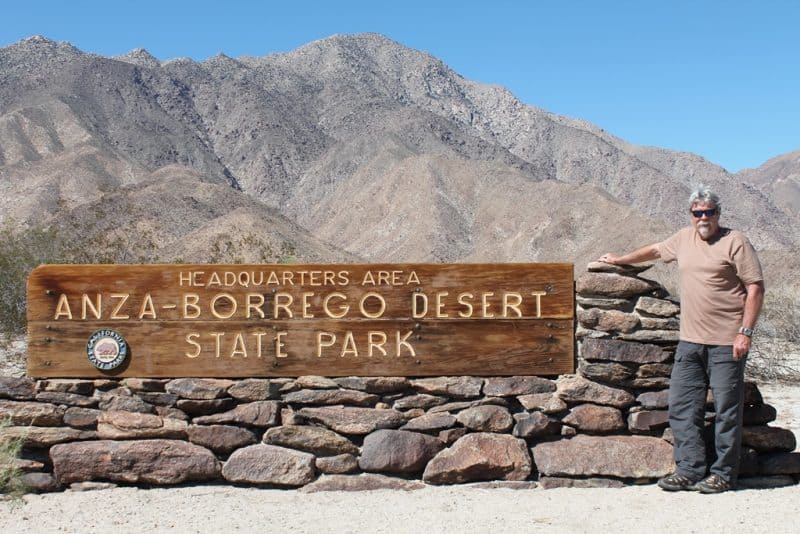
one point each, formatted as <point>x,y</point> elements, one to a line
<point>604,426</point>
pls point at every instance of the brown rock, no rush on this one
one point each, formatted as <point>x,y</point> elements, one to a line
<point>458,406</point>
<point>158,398</point>
<point>40,482</point>
<point>363,482</point>
<point>255,389</point>
<point>220,438</point>
<point>517,385</point>
<point>486,419</point>
<point>531,425</point>
<point>31,413</point>
<point>267,464</point>
<point>122,403</point>
<point>658,323</point>
<point>315,382</point>
<point>657,307</point>
<point>381,385</point>
<point>609,372</point>
<point>78,387</point>
<point>651,370</point>
<point>621,351</point>
<point>648,420</point>
<point>760,414</point>
<point>603,267</point>
<point>768,439</point>
<point>613,285</point>
<point>69,399</point>
<point>430,422</point>
<point>781,463</point>
<point>316,440</point>
<point>615,456</point>
<point>421,400</point>
<point>17,388</point>
<point>480,456</point>
<point>576,389</point>
<point>656,382</point>
<point>548,403</point>
<point>397,451</point>
<point>195,407</point>
<point>81,417</point>
<point>158,461</point>
<point>650,336</point>
<point>457,387</point>
<point>566,482</point>
<point>581,332</point>
<point>172,413</point>
<point>153,385</point>
<point>132,425</point>
<point>608,320</point>
<point>261,414</point>
<point>337,465</point>
<point>330,397</point>
<point>289,416</point>
<point>198,388</point>
<point>595,419</point>
<point>654,400</point>
<point>451,435</point>
<point>42,436</point>
<point>568,432</point>
<point>604,303</point>
<point>354,421</point>
<point>26,466</point>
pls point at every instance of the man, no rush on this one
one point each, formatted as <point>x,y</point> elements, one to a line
<point>722,290</point>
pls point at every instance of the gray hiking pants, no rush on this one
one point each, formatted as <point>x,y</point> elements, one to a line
<point>696,368</point>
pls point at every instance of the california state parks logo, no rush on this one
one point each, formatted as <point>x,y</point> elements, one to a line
<point>106,349</point>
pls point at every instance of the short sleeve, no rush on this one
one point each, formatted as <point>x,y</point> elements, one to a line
<point>745,260</point>
<point>668,249</point>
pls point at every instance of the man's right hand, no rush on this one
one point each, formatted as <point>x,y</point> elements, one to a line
<point>609,258</point>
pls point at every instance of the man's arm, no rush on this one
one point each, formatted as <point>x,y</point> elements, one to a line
<point>752,307</point>
<point>647,253</point>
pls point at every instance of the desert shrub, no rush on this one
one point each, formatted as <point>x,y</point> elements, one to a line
<point>11,482</point>
<point>775,354</point>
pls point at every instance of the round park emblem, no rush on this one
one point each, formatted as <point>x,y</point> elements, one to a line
<point>106,350</point>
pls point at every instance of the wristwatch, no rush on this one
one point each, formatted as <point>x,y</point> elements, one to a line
<point>746,331</point>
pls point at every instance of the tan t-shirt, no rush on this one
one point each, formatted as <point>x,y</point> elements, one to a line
<point>713,276</point>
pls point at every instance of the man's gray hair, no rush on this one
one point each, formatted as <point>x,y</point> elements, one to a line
<point>704,194</point>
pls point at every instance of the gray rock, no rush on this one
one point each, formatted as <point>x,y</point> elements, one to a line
<point>658,307</point>
<point>607,320</point>
<point>458,406</point>
<point>398,451</point>
<point>576,389</point>
<point>420,400</point>
<point>315,382</point>
<point>430,422</point>
<point>157,461</point>
<point>68,399</point>
<point>486,419</point>
<point>654,400</point>
<point>608,372</point>
<point>517,385</point>
<point>262,414</point>
<point>651,370</point>
<point>133,425</point>
<point>340,464</point>
<point>548,403</point>
<point>316,440</point>
<point>255,389</point>
<point>40,482</point>
<point>78,387</point>
<point>451,435</point>
<point>268,464</point>
<point>42,436</point>
<point>363,482</point>
<point>195,407</point>
<point>611,456</point>
<point>457,387</point>
<point>533,425</point>
<point>158,398</point>
<point>198,388</point>
<point>604,303</point>
<point>595,419</point>
<point>478,457</point>
<point>123,403</point>
<point>220,438</point>
<point>152,385</point>
<point>81,417</point>
<point>23,413</point>
<point>380,385</point>
<point>594,284</point>
<point>621,351</point>
<point>353,421</point>
<point>768,439</point>
<point>331,397</point>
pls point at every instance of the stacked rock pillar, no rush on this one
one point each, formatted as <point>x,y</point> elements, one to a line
<point>606,425</point>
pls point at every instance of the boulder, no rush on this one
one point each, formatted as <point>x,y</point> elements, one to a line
<point>268,464</point>
<point>159,461</point>
<point>536,424</point>
<point>486,419</point>
<point>595,419</point>
<point>316,440</point>
<point>607,320</point>
<point>398,451</point>
<point>576,389</point>
<point>478,457</point>
<point>353,421</point>
<point>657,307</point>
<point>596,284</point>
<point>613,456</point>
<point>220,438</point>
<point>648,420</point>
<point>40,482</point>
<point>768,439</point>
<point>517,385</point>
<point>654,400</point>
<point>81,417</point>
<point>68,399</point>
<point>609,372</point>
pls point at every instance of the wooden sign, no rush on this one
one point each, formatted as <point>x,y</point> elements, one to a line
<point>292,320</point>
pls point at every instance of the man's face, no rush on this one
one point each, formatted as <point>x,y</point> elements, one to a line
<point>706,225</point>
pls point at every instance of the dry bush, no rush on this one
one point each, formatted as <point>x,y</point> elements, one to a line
<point>11,482</point>
<point>776,348</point>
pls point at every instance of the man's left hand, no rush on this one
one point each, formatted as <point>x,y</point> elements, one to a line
<point>741,346</point>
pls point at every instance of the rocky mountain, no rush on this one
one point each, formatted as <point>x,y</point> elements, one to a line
<point>348,147</point>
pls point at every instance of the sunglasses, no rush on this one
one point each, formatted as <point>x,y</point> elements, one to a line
<point>699,213</point>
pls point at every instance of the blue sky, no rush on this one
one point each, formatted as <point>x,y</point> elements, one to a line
<point>717,78</point>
